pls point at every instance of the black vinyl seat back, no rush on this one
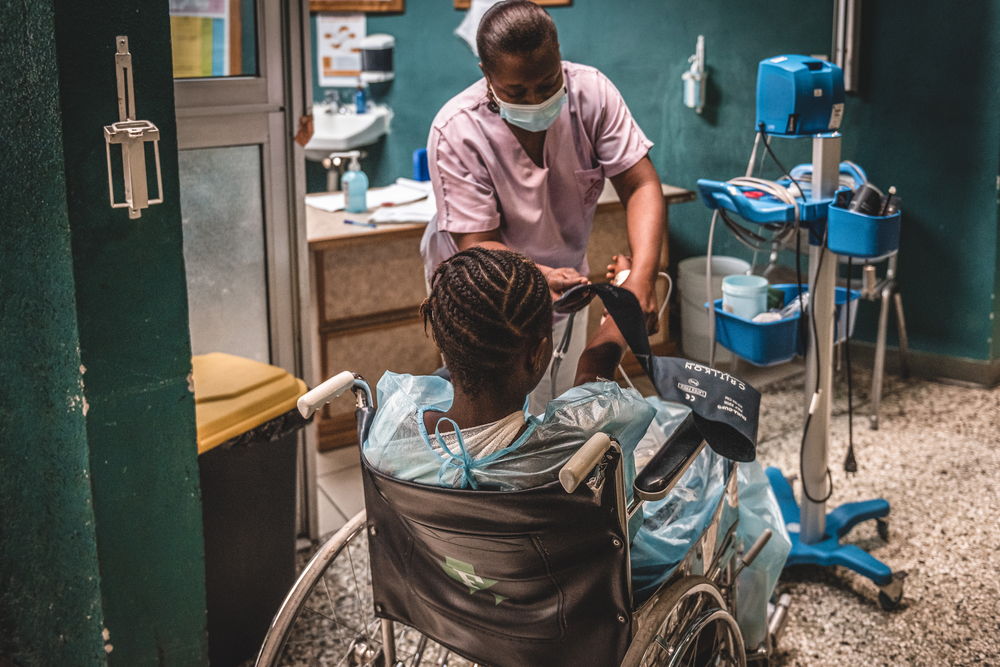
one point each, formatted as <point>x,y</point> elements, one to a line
<point>531,577</point>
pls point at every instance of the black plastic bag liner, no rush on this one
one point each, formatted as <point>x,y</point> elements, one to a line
<point>725,408</point>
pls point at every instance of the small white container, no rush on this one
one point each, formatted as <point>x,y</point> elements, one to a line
<point>744,296</point>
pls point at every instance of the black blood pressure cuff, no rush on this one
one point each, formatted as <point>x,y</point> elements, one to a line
<point>725,408</point>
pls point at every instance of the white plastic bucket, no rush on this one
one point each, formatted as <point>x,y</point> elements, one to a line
<point>694,316</point>
<point>744,296</point>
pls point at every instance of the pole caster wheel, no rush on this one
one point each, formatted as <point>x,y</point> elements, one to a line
<point>890,595</point>
<point>882,526</point>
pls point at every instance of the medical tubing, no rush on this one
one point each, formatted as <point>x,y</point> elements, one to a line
<point>708,291</point>
<point>780,231</point>
<point>816,391</point>
<point>659,314</point>
<point>767,146</point>
<point>560,352</point>
<point>802,470</point>
<point>850,463</point>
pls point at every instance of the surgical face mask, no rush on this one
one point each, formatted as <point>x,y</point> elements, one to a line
<point>532,117</point>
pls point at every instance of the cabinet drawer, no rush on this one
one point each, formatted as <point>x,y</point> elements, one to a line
<point>355,280</point>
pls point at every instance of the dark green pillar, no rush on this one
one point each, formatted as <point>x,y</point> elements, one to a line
<point>133,330</point>
<point>50,609</point>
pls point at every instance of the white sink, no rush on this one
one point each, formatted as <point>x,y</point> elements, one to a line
<point>335,131</point>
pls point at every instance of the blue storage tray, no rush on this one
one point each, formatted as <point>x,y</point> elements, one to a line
<point>761,209</point>
<point>859,235</point>
<point>760,343</point>
<point>770,343</point>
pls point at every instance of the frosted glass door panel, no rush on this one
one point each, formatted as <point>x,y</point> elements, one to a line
<point>224,250</point>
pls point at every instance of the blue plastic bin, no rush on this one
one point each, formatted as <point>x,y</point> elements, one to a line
<point>859,235</point>
<point>760,343</point>
<point>770,343</point>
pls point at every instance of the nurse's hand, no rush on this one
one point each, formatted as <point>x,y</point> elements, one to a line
<point>562,279</point>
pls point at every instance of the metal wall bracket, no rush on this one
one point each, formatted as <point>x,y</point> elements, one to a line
<point>132,135</point>
<point>847,41</point>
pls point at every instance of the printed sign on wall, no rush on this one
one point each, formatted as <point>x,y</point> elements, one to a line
<point>338,49</point>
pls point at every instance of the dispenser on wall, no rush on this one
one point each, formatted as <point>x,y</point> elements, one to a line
<point>132,135</point>
<point>694,78</point>
<point>376,58</point>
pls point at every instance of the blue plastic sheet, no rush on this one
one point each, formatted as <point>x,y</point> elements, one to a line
<point>398,443</point>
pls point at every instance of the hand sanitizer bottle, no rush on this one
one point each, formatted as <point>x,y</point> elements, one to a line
<point>355,186</point>
<point>360,98</point>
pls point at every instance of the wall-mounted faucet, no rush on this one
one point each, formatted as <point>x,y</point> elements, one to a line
<point>332,100</point>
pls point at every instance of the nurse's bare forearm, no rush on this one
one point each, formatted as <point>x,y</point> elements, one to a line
<point>559,279</point>
<point>489,240</point>
<point>639,190</point>
<point>602,355</point>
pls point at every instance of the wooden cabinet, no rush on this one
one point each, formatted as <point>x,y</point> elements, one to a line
<point>368,284</point>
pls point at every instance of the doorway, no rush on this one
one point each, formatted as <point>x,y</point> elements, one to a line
<point>240,85</point>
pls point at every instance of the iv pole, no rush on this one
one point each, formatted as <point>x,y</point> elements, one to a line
<point>815,533</point>
<point>822,287</point>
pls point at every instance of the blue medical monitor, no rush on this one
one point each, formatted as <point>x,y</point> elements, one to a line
<point>799,96</point>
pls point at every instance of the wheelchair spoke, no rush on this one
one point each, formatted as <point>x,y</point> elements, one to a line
<point>333,606</point>
<point>357,590</point>
<point>421,645</point>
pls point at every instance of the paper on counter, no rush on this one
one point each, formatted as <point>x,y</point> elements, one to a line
<point>331,202</point>
<point>419,211</point>
<point>393,195</point>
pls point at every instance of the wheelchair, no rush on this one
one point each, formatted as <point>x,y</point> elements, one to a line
<point>541,576</point>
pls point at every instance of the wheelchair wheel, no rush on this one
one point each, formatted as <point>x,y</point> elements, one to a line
<point>328,617</point>
<point>687,625</point>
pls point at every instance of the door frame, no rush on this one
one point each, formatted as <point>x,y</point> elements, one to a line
<point>263,110</point>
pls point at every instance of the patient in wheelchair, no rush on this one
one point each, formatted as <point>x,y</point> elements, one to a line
<point>490,315</point>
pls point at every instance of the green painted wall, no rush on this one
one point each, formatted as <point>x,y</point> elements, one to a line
<point>933,130</point>
<point>133,330</point>
<point>926,120</point>
<point>50,607</point>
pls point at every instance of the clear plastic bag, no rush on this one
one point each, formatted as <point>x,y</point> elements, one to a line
<point>670,526</point>
<point>758,511</point>
<point>399,445</point>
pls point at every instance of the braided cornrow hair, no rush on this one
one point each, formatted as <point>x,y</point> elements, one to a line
<point>485,306</point>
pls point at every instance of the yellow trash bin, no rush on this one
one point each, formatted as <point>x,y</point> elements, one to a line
<point>247,425</point>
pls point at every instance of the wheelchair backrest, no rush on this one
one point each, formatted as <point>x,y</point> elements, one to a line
<point>528,577</point>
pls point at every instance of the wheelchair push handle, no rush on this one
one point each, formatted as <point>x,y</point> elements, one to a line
<point>583,461</point>
<point>326,391</point>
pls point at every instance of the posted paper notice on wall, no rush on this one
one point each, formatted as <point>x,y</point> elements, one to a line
<point>338,52</point>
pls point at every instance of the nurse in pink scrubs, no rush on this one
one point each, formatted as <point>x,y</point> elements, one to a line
<point>518,161</point>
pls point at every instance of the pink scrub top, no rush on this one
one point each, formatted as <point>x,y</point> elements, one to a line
<point>483,179</point>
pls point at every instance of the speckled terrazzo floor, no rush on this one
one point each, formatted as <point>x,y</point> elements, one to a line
<point>935,459</point>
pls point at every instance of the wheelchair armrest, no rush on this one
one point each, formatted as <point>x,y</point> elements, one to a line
<point>583,461</point>
<point>670,462</point>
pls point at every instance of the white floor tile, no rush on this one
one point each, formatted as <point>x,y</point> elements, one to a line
<point>336,459</point>
<point>344,489</point>
<point>330,518</point>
